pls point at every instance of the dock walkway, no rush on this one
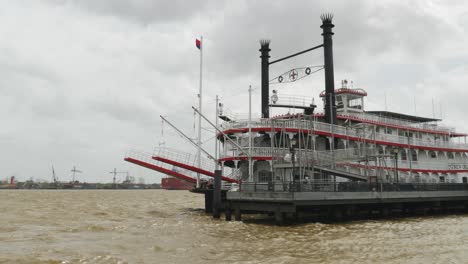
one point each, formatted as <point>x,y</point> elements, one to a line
<point>343,199</point>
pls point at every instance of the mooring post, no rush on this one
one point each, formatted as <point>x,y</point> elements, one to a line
<point>208,201</point>
<point>228,212</point>
<point>217,194</point>
<point>279,217</point>
<point>265,75</point>
<point>237,213</point>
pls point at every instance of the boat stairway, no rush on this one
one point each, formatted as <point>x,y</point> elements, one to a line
<point>341,173</point>
<point>189,162</point>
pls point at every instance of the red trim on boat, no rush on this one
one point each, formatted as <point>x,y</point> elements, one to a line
<point>400,169</point>
<point>367,121</point>
<point>245,158</point>
<point>161,169</point>
<point>323,133</point>
<point>347,91</point>
<point>192,168</point>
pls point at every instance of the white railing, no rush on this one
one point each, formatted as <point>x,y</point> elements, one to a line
<point>237,116</point>
<point>256,151</point>
<point>428,165</point>
<point>293,100</point>
<point>303,157</point>
<point>191,160</point>
<point>343,131</point>
<point>399,122</point>
<point>235,174</point>
<point>147,158</point>
<point>185,158</point>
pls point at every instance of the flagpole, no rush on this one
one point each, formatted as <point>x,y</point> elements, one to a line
<point>200,109</point>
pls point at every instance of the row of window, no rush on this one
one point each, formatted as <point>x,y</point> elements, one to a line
<point>389,131</point>
<point>414,154</point>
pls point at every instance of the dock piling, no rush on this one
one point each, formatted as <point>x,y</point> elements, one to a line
<point>217,194</point>
<point>228,213</point>
<point>237,214</point>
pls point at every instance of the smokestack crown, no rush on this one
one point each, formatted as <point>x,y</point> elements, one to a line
<point>326,18</point>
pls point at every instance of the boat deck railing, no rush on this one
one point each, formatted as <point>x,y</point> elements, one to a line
<point>343,132</point>
<point>302,156</point>
<point>184,157</point>
<point>399,122</point>
<point>347,157</point>
<point>328,186</point>
<point>293,100</point>
<point>407,164</point>
<point>147,158</point>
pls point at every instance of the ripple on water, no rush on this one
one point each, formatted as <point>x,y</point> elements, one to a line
<point>157,248</point>
<point>103,214</point>
<point>96,228</point>
<point>171,227</point>
<point>160,214</point>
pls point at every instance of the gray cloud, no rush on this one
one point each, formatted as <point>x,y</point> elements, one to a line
<point>84,81</point>
<point>146,11</point>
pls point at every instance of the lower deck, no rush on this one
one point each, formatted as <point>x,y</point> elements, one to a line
<point>343,199</point>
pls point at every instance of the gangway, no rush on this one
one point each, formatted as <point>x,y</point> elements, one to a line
<point>187,161</point>
<point>145,160</point>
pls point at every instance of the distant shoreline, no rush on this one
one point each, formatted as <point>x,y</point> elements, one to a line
<point>78,186</point>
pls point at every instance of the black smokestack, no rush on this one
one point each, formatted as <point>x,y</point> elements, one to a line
<point>330,107</point>
<point>265,50</point>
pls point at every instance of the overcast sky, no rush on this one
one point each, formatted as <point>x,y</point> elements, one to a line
<point>82,82</point>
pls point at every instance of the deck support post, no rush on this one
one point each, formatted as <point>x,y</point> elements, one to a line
<point>208,201</point>
<point>237,214</point>
<point>279,217</point>
<point>385,212</point>
<point>228,213</point>
<point>217,194</point>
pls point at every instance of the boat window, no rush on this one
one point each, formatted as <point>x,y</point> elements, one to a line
<point>403,155</point>
<point>388,130</point>
<point>355,103</point>
<point>264,176</point>
<point>339,102</point>
<point>380,149</point>
<point>432,154</point>
<point>450,155</point>
<point>414,155</point>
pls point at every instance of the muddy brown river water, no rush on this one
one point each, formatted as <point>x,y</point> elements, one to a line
<point>159,226</point>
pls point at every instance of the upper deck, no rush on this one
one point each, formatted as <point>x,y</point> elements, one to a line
<point>403,124</point>
<point>348,133</point>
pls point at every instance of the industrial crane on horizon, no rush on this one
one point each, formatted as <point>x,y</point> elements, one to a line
<point>115,172</point>
<point>74,170</point>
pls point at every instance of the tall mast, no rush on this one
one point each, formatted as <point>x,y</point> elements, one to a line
<point>251,178</point>
<point>199,141</point>
<point>216,133</point>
